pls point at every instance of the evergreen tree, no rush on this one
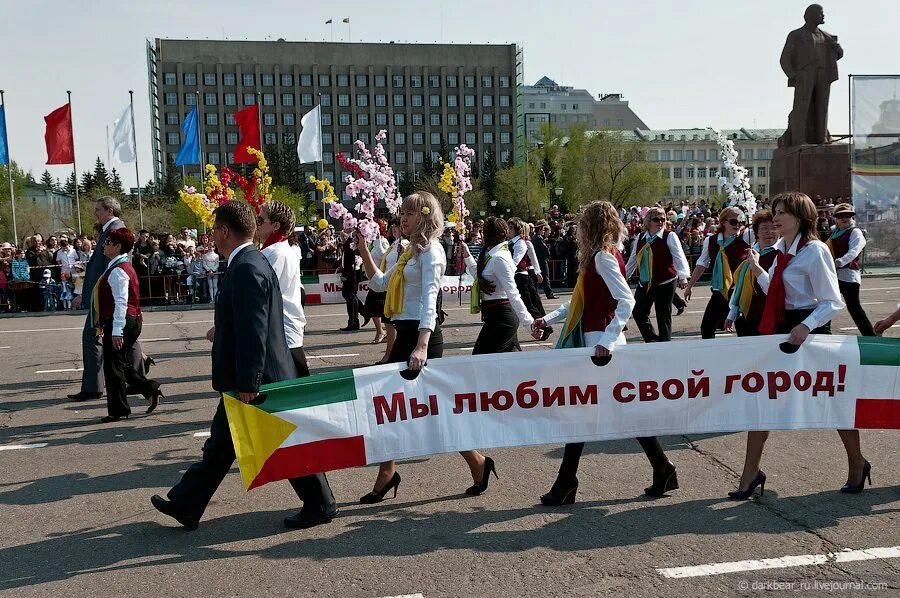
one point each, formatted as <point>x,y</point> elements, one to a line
<point>444,150</point>
<point>548,172</point>
<point>87,182</point>
<point>70,184</point>
<point>274,157</point>
<point>172,181</point>
<point>407,184</point>
<point>292,170</point>
<point>489,175</point>
<point>429,168</point>
<point>115,182</point>
<point>47,180</point>
<point>101,175</point>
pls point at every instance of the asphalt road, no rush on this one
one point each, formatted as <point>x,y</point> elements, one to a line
<point>75,518</point>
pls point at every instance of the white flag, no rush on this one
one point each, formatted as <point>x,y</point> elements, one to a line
<point>123,137</point>
<point>309,146</point>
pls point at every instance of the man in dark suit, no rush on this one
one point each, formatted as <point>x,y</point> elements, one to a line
<point>249,350</point>
<point>809,59</point>
<point>351,276</point>
<point>541,230</point>
<point>108,212</point>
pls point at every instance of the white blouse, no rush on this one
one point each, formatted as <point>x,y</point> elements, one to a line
<point>810,282</point>
<point>682,268</point>
<point>393,254</point>
<point>500,271</point>
<point>421,284</point>
<point>379,248</point>
<point>607,266</point>
<point>855,245</point>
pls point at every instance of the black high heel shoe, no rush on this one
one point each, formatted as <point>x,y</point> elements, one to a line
<point>148,361</point>
<point>849,488</point>
<point>560,494</point>
<point>376,496</point>
<point>664,480</point>
<point>489,468</point>
<point>759,480</point>
<point>154,400</point>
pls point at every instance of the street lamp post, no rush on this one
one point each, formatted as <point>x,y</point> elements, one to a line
<point>558,191</point>
<point>493,206</point>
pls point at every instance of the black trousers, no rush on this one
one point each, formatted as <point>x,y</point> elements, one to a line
<point>302,366</point>
<point>499,334</point>
<point>572,456</point>
<point>658,296</point>
<point>198,484</point>
<point>354,305</point>
<point>850,292</point>
<point>408,337</point>
<point>715,313</point>
<point>119,372</point>
<point>530,297</point>
<point>545,285</point>
<point>678,302</point>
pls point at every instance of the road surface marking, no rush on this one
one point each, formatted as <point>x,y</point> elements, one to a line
<point>335,355</point>
<point>59,371</point>
<point>407,596</point>
<point>15,447</point>
<point>150,340</point>
<point>201,434</point>
<point>802,560</point>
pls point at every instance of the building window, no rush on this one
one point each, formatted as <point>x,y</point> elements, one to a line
<point>171,118</point>
<point>435,139</point>
<point>504,101</point>
<point>287,99</point>
<point>453,138</point>
<point>190,78</point>
<point>380,81</point>
<point>452,101</point>
<point>287,80</point>
<point>326,119</point>
<point>435,120</point>
<point>328,157</point>
<point>505,119</point>
<point>487,81</point>
<point>399,119</point>
<point>267,80</point>
<point>212,118</point>
<point>214,158</point>
<point>763,154</point>
<point>362,119</point>
<point>418,138</point>
<point>761,171</point>
<point>677,154</point>
<point>504,137</point>
<point>397,81</point>
<point>325,99</point>
<point>453,120</point>
<point>327,139</point>
<point>381,120</point>
<point>268,99</point>
<point>701,173</point>
<point>400,158</point>
<point>469,101</point>
<point>271,139</point>
<point>713,172</point>
<point>677,191</point>
<point>171,98</point>
<point>761,189</point>
<point>249,99</point>
<point>209,78</point>
<point>229,120</point>
<point>654,155</point>
<point>451,80</point>
<point>212,139</point>
<point>434,81</point>
<point>418,120</point>
<point>190,99</point>
<point>364,137</point>
<point>665,155</point>
<point>701,156</point>
<point>306,99</point>
<point>381,100</point>
<point>173,138</point>
<point>689,190</point>
<point>344,138</point>
<point>470,138</point>
<point>343,80</point>
<point>269,119</point>
<point>248,79</point>
<point>689,173</point>
<point>469,81</point>
<point>343,99</point>
<point>504,157</point>
<point>305,80</point>
<point>362,80</point>
<point>416,101</point>
<point>362,100</point>
<point>688,155</point>
<point>231,99</point>
<point>324,80</point>
<point>400,138</point>
<point>418,157</point>
<point>676,173</point>
<point>288,138</point>
<point>344,120</point>
<point>399,100</point>
<point>231,138</point>
<point>434,101</point>
<point>487,120</point>
<point>504,81</point>
<point>470,120</point>
<point>489,137</point>
<point>415,80</point>
<point>169,79</point>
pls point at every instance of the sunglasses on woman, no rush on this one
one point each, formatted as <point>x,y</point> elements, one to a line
<point>732,222</point>
<point>658,219</point>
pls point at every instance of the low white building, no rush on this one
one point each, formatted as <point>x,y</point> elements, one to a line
<point>60,206</point>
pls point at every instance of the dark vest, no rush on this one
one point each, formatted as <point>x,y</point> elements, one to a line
<point>758,302</point>
<point>663,263</point>
<point>104,294</point>
<point>524,263</point>
<point>841,245</point>
<point>599,304</point>
<point>736,252</point>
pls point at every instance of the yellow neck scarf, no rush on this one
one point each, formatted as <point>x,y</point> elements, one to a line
<point>393,302</point>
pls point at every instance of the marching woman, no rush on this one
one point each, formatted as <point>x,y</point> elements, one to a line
<point>595,317</point>
<point>374,305</point>
<point>521,256</point>
<point>802,297</point>
<point>413,285</point>
<point>846,243</point>
<point>747,300</point>
<point>116,315</point>
<point>659,259</point>
<point>725,250</point>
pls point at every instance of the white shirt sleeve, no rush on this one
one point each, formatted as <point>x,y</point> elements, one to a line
<point>379,248</point>
<point>472,266</point>
<point>558,314</point>
<point>379,280</point>
<point>824,281</point>
<point>631,266</point>
<point>703,260</point>
<point>682,268</point>
<point>608,268</point>
<point>733,307</point>
<point>856,244</point>
<point>519,249</point>
<point>529,248</point>
<point>503,272</point>
<point>432,271</point>
<point>118,282</point>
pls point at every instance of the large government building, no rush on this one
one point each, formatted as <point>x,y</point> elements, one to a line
<point>423,94</point>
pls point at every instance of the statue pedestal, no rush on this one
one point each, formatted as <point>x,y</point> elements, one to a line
<point>813,169</point>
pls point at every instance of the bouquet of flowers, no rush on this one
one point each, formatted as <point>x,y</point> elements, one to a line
<point>456,181</point>
<point>256,190</point>
<point>737,186</point>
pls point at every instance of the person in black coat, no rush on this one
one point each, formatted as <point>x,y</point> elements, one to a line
<point>543,255</point>
<point>249,350</point>
<point>351,276</point>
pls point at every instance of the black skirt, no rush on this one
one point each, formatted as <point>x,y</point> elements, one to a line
<point>375,305</point>
<point>792,317</point>
<point>500,331</point>
<point>408,337</point>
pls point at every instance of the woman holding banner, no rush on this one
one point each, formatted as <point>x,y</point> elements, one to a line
<point>595,317</point>
<point>413,288</point>
<point>802,297</point>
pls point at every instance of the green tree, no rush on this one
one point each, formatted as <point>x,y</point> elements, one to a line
<point>171,182</point>
<point>519,190</point>
<point>488,176</point>
<point>115,182</point>
<point>616,169</point>
<point>101,175</point>
<point>47,180</point>
<point>20,179</point>
<point>407,185</point>
<point>70,185</point>
<point>87,183</point>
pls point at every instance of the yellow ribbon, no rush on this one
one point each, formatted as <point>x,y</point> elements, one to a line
<point>576,307</point>
<point>393,302</point>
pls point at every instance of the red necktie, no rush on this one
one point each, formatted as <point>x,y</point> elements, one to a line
<point>773,314</point>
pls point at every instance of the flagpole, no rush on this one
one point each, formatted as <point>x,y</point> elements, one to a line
<point>12,193</point>
<point>137,174</point>
<point>74,167</point>
<point>259,118</point>
<point>200,143</point>
<point>108,158</point>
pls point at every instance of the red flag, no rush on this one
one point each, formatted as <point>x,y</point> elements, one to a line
<point>60,146</point>
<point>248,122</point>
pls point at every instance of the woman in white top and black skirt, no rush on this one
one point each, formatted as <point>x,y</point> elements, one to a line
<point>802,297</point>
<point>595,317</point>
<point>413,285</point>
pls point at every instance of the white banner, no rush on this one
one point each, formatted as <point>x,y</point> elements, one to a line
<point>328,289</point>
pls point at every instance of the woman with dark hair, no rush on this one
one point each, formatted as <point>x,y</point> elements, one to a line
<point>802,297</point>
<point>116,316</point>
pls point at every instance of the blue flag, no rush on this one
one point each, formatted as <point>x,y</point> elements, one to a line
<point>190,149</point>
<point>4,143</point>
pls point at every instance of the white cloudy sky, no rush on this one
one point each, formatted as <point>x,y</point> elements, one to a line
<point>680,64</point>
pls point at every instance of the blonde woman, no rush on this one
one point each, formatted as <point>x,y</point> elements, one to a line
<point>413,286</point>
<point>595,317</point>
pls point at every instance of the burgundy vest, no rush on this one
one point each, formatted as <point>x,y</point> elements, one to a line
<point>663,263</point>
<point>104,293</point>
<point>524,263</point>
<point>758,302</point>
<point>841,245</point>
<point>599,304</point>
<point>736,252</point>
